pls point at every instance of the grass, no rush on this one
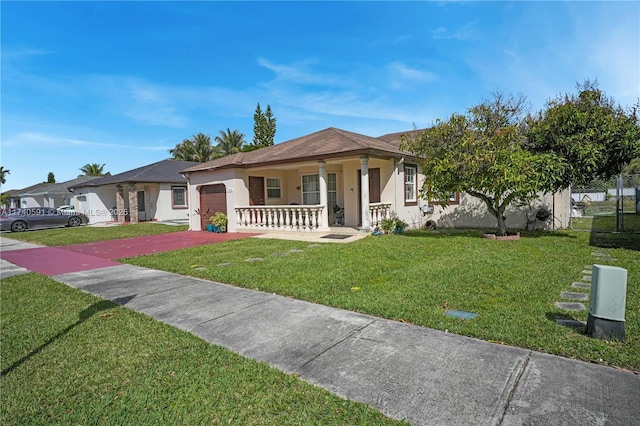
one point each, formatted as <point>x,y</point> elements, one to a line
<point>629,222</point>
<point>415,277</point>
<point>90,234</point>
<point>68,357</point>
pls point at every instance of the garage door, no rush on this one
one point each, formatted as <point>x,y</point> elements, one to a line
<point>213,199</point>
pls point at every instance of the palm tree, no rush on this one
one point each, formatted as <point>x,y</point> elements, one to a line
<point>230,142</point>
<point>93,169</point>
<point>3,174</point>
<point>198,148</point>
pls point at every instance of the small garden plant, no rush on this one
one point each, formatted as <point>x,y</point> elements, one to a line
<point>393,225</point>
<point>220,221</point>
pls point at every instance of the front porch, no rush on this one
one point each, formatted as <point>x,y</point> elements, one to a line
<point>300,218</point>
<point>338,235</point>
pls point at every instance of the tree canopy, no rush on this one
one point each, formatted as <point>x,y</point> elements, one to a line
<point>594,136</point>
<point>198,148</point>
<point>94,169</point>
<point>264,129</point>
<point>229,142</point>
<point>51,178</point>
<point>3,174</point>
<point>483,154</point>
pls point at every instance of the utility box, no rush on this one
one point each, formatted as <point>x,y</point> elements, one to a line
<point>607,305</point>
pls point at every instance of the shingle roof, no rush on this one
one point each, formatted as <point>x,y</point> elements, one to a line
<point>38,188</point>
<point>327,143</point>
<point>165,171</point>
<point>52,188</point>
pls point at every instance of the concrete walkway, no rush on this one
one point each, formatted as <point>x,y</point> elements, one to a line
<point>408,372</point>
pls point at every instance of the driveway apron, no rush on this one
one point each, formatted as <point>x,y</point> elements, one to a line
<point>52,261</point>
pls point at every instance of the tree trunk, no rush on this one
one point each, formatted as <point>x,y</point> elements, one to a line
<point>502,225</point>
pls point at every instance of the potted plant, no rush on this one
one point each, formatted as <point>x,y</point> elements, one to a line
<point>399,225</point>
<point>218,222</point>
<point>393,225</point>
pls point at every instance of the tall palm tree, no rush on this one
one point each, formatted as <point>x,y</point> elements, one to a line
<point>198,148</point>
<point>3,174</point>
<point>230,142</point>
<point>93,169</point>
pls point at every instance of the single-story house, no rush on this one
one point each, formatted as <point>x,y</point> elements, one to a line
<point>328,178</point>
<point>155,192</point>
<point>46,194</point>
<point>336,178</point>
<point>14,195</point>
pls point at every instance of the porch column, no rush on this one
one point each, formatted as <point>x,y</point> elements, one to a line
<point>324,215</point>
<point>364,196</point>
<point>120,203</point>
<point>133,203</point>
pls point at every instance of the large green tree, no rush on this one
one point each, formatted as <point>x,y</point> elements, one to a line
<point>3,174</point>
<point>483,154</point>
<point>94,169</point>
<point>229,142</point>
<point>198,148</point>
<point>594,135</point>
<point>51,178</point>
<point>264,129</point>
<point>633,168</point>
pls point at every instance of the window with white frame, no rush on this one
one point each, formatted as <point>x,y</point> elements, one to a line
<point>273,188</point>
<point>410,187</point>
<point>310,189</point>
<point>178,197</point>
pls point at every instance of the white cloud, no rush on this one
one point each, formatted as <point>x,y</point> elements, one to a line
<point>43,140</point>
<point>300,72</point>
<point>463,33</point>
<point>401,75</point>
<point>615,58</point>
<point>401,39</point>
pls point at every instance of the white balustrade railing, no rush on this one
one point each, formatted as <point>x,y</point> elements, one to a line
<point>299,218</point>
<point>378,212</point>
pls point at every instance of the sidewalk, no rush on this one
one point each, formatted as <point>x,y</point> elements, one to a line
<point>425,376</point>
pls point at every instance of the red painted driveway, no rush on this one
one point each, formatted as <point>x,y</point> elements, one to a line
<point>148,244</point>
<point>82,257</point>
<point>52,261</point>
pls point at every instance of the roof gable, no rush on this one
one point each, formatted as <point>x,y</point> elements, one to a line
<point>327,143</point>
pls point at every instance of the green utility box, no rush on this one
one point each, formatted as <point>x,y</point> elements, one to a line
<point>607,305</point>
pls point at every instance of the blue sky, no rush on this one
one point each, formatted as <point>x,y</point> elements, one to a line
<point>120,83</point>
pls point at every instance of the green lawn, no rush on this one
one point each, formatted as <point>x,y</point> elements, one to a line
<point>70,358</point>
<point>90,234</point>
<point>512,285</point>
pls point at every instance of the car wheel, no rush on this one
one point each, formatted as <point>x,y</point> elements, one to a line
<point>18,226</point>
<point>75,221</point>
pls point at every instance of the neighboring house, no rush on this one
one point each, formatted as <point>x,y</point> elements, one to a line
<point>335,177</point>
<point>155,192</point>
<point>46,194</point>
<point>331,177</point>
<point>14,199</point>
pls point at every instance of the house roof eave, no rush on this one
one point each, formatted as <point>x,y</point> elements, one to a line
<point>368,152</point>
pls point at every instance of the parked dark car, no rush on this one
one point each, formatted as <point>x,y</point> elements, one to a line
<point>21,219</point>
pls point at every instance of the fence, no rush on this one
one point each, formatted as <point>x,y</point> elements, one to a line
<point>607,206</point>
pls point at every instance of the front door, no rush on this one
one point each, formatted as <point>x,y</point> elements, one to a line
<point>256,191</point>
<point>374,190</point>
<point>142,212</point>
